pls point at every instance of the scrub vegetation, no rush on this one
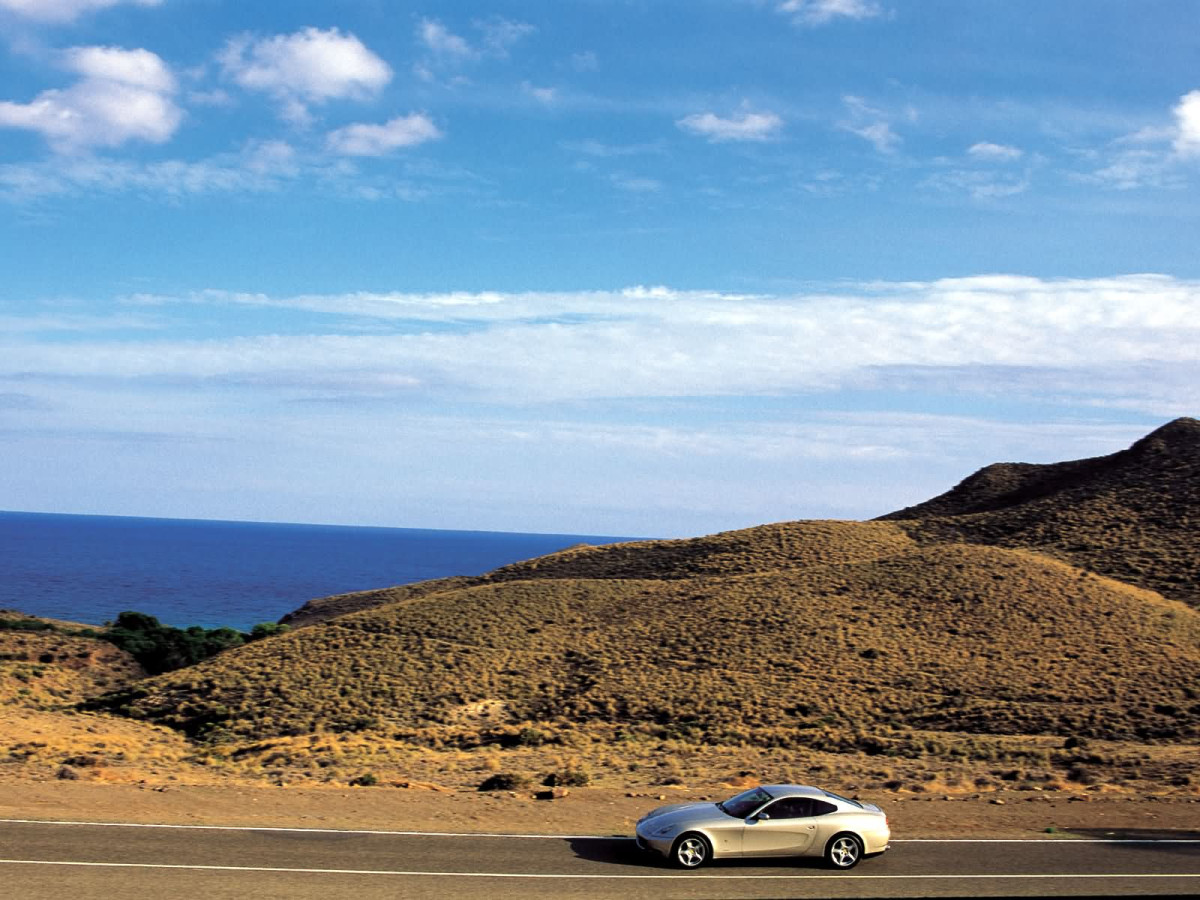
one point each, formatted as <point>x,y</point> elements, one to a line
<point>909,654</point>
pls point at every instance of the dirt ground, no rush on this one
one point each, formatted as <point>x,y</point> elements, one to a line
<point>584,811</point>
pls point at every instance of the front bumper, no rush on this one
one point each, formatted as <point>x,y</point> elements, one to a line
<point>651,844</point>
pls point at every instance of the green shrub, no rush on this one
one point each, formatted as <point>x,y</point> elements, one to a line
<point>163,648</point>
<point>267,629</point>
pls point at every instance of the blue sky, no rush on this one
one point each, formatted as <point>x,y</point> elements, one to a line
<point>591,266</point>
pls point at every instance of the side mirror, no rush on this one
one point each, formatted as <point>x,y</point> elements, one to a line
<point>763,817</point>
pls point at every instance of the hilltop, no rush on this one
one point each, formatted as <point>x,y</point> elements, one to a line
<point>1133,515</point>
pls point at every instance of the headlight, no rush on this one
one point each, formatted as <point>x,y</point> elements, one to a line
<point>664,831</point>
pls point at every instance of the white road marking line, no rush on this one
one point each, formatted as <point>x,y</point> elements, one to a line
<point>277,869</point>
<point>1064,840</point>
<point>559,837</point>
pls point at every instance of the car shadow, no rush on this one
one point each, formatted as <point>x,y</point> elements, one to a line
<point>622,851</point>
<point>1161,840</point>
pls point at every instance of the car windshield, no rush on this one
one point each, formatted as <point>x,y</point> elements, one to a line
<point>744,803</point>
<point>843,799</point>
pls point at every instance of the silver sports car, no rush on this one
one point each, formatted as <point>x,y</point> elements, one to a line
<point>772,820</point>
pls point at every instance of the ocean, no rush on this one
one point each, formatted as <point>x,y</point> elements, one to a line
<point>199,572</point>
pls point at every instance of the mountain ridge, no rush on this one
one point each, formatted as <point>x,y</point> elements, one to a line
<point>1133,515</point>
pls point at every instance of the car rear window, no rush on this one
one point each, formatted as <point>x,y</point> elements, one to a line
<point>844,799</point>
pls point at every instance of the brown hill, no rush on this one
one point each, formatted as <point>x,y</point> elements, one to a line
<point>323,608</point>
<point>1133,515</point>
<point>45,669</point>
<point>977,614</point>
<point>765,548</point>
<point>949,638</point>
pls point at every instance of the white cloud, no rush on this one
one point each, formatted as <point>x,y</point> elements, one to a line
<point>441,41</point>
<point>63,10</point>
<point>587,61</point>
<point>123,95</point>
<point>1155,156</point>
<point>879,134</point>
<point>499,35</point>
<point>216,98</point>
<point>307,67</point>
<point>870,124</point>
<point>593,147</point>
<point>1098,341</point>
<point>980,185</point>
<point>822,12</point>
<point>636,184</point>
<point>1187,118</point>
<point>378,140</point>
<point>488,417</point>
<point>546,95</point>
<point>259,167</point>
<point>985,150</point>
<point>1134,169</point>
<point>746,127</point>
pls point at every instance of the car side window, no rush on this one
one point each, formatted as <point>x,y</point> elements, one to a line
<point>821,808</point>
<point>790,808</point>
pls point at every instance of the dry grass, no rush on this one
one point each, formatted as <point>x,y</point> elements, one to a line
<point>913,656</point>
<point>956,639</point>
<point>44,669</point>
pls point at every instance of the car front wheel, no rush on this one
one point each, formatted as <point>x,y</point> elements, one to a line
<point>690,851</point>
<point>843,851</point>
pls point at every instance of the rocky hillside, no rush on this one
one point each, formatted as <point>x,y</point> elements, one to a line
<point>1133,515</point>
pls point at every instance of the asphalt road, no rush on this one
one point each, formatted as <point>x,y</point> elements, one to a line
<point>79,861</point>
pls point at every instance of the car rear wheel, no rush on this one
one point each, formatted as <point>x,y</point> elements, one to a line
<point>691,851</point>
<point>843,851</point>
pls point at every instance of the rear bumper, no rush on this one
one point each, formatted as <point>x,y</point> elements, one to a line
<point>876,843</point>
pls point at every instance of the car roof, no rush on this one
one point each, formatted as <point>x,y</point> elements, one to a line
<point>793,790</point>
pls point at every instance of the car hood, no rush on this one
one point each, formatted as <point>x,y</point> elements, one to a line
<point>693,813</point>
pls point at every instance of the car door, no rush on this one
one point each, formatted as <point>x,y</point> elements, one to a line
<point>783,828</point>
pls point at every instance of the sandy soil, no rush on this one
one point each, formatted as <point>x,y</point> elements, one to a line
<point>583,811</point>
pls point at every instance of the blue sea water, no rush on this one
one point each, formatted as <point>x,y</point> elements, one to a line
<point>199,572</point>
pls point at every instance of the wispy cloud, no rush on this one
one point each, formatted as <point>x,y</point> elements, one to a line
<point>985,150</point>
<point>980,185</point>
<point>644,388</point>
<point>446,49</point>
<point>814,13</point>
<point>379,140</point>
<point>600,149</point>
<point>748,126</point>
<point>260,166</point>
<point>657,342</point>
<point>441,41</point>
<point>64,10</point>
<point>500,35</point>
<point>635,183</point>
<point>1157,156</point>
<point>544,95</point>
<point>870,124</point>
